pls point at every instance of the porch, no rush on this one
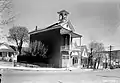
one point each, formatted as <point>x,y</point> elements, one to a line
<point>71,56</point>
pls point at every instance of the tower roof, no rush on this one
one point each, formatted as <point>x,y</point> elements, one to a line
<point>63,11</point>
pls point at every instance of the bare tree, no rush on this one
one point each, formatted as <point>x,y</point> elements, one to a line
<point>97,48</point>
<point>7,16</point>
<point>6,12</point>
<point>18,34</point>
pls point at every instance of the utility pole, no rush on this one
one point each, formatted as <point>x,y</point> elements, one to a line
<point>91,62</point>
<point>110,54</point>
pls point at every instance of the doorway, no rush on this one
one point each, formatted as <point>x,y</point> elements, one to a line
<point>75,61</point>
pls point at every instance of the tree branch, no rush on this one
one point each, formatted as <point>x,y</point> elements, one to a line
<point>15,38</point>
<point>8,20</point>
<point>5,4</point>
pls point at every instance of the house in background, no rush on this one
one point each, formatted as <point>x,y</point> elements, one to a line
<point>58,37</point>
<point>84,54</point>
<point>115,56</point>
<point>105,58</point>
<point>6,51</point>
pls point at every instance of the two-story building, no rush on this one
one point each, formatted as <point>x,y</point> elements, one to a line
<point>58,37</point>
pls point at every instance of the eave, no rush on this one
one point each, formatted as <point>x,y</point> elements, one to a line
<point>45,29</point>
<point>56,26</point>
<point>74,34</point>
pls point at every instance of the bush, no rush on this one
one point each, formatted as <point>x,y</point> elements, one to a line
<point>36,48</point>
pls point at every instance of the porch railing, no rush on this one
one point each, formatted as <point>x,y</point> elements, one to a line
<point>67,47</point>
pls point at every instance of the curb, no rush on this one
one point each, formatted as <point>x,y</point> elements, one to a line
<point>35,69</point>
<point>46,69</point>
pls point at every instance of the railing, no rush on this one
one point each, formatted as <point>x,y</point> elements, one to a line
<point>67,47</point>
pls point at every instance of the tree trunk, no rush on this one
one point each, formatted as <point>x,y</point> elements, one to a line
<point>20,46</point>
<point>91,62</point>
<point>95,64</point>
<point>98,62</point>
<point>88,63</point>
<point>106,63</point>
<point>19,49</point>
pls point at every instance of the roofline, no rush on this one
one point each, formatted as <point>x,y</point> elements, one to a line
<point>46,29</point>
<point>42,30</point>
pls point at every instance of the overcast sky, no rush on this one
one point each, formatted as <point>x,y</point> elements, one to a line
<point>93,19</point>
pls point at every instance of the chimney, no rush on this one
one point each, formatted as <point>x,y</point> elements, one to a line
<point>36,28</point>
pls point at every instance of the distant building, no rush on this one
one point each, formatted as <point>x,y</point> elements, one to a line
<point>84,55</point>
<point>84,51</point>
<point>6,51</point>
<point>58,37</point>
<point>115,57</point>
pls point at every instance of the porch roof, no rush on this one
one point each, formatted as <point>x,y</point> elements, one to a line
<point>66,31</point>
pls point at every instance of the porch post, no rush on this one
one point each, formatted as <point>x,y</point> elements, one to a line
<point>70,42</point>
<point>70,48</point>
<point>66,42</point>
<point>80,56</point>
<point>7,56</point>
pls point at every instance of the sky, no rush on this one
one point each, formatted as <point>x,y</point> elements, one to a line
<point>95,20</point>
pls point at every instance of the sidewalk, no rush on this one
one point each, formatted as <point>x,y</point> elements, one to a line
<point>45,69</point>
<point>33,69</point>
<point>9,65</point>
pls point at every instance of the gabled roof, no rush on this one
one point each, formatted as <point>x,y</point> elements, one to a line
<point>84,47</point>
<point>5,48</point>
<point>66,26</point>
<point>13,47</point>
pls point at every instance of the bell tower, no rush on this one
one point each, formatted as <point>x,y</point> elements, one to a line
<point>63,15</point>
